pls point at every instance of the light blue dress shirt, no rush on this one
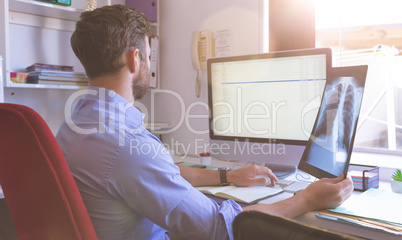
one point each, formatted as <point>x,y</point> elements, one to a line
<point>127,178</point>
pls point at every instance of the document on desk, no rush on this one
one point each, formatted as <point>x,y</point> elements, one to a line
<point>249,195</point>
<point>375,208</point>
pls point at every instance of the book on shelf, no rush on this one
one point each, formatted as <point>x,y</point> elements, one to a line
<point>59,73</point>
<point>70,83</point>
<point>35,77</point>
<point>73,78</point>
<point>40,73</point>
<point>248,195</point>
<point>49,67</point>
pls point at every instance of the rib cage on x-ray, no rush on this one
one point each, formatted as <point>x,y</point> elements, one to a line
<point>335,122</point>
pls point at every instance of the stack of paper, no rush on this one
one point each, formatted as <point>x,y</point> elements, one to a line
<point>375,208</point>
<point>371,179</point>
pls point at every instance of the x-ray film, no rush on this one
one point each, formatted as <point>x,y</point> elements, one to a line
<point>330,145</point>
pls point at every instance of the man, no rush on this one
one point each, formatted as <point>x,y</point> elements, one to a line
<point>127,179</point>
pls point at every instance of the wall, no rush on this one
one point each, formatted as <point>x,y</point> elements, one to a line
<point>118,2</point>
<point>178,19</point>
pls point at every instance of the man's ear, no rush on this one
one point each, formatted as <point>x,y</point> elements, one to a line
<point>133,60</point>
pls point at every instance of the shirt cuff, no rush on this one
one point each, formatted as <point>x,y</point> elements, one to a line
<point>229,209</point>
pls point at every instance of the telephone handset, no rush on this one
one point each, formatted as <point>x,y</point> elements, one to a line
<point>201,50</point>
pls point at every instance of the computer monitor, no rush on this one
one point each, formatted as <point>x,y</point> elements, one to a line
<point>271,98</point>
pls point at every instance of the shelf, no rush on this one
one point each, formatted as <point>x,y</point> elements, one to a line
<point>45,9</point>
<point>43,86</point>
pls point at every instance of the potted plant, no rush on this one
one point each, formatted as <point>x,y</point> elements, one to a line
<point>396,181</point>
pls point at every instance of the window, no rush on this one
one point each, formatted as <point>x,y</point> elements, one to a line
<point>368,32</point>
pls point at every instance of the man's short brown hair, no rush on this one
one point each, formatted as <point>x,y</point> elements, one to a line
<point>103,35</point>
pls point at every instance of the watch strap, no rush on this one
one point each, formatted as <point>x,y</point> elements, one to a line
<point>223,176</point>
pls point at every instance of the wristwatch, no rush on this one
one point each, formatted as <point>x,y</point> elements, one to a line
<point>223,175</point>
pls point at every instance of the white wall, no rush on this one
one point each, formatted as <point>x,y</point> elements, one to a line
<point>178,19</point>
<point>119,2</point>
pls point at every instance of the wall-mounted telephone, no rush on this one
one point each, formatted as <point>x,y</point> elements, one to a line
<point>201,50</point>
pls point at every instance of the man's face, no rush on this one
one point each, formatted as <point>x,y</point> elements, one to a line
<point>141,82</point>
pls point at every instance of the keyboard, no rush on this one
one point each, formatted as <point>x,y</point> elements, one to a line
<point>292,186</point>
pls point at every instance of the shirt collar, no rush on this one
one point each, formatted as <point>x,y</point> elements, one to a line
<point>115,107</point>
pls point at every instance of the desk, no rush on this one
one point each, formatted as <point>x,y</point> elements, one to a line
<point>310,217</point>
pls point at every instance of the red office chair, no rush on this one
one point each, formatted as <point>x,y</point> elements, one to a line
<point>42,197</point>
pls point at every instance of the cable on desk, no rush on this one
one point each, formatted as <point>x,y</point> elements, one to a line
<point>303,177</point>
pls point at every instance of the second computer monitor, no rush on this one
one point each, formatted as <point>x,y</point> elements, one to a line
<point>267,98</point>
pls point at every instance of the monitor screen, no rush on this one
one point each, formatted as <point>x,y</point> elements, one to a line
<point>271,97</point>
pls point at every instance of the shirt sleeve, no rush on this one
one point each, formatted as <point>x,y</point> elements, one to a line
<point>146,178</point>
<point>198,217</point>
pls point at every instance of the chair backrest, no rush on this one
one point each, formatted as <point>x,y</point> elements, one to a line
<point>260,226</point>
<point>42,197</point>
